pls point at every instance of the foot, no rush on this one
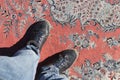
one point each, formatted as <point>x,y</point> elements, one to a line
<point>65,60</point>
<point>39,33</point>
<point>62,60</point>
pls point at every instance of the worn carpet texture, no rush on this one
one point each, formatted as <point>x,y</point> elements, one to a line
<point>92,27</point>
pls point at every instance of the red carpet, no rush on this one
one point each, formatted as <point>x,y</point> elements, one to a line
<point>89,26</point>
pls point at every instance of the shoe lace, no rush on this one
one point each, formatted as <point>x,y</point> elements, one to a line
<point>62,61</point>
<point>41,36</point>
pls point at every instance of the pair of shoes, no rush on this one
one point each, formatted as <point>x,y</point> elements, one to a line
<point>62,60</point>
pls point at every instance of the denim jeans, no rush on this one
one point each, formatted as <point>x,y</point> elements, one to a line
<point>22,66</point>
<point>51,73</point>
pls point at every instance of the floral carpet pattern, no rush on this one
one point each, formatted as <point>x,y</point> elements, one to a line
<point>92,27</point>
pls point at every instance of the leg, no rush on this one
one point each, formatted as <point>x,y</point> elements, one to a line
<point>22,66</point>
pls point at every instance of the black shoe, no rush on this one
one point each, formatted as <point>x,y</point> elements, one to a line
<point>62,60</point>
<point>39,33</point>
<point>65,59</point>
